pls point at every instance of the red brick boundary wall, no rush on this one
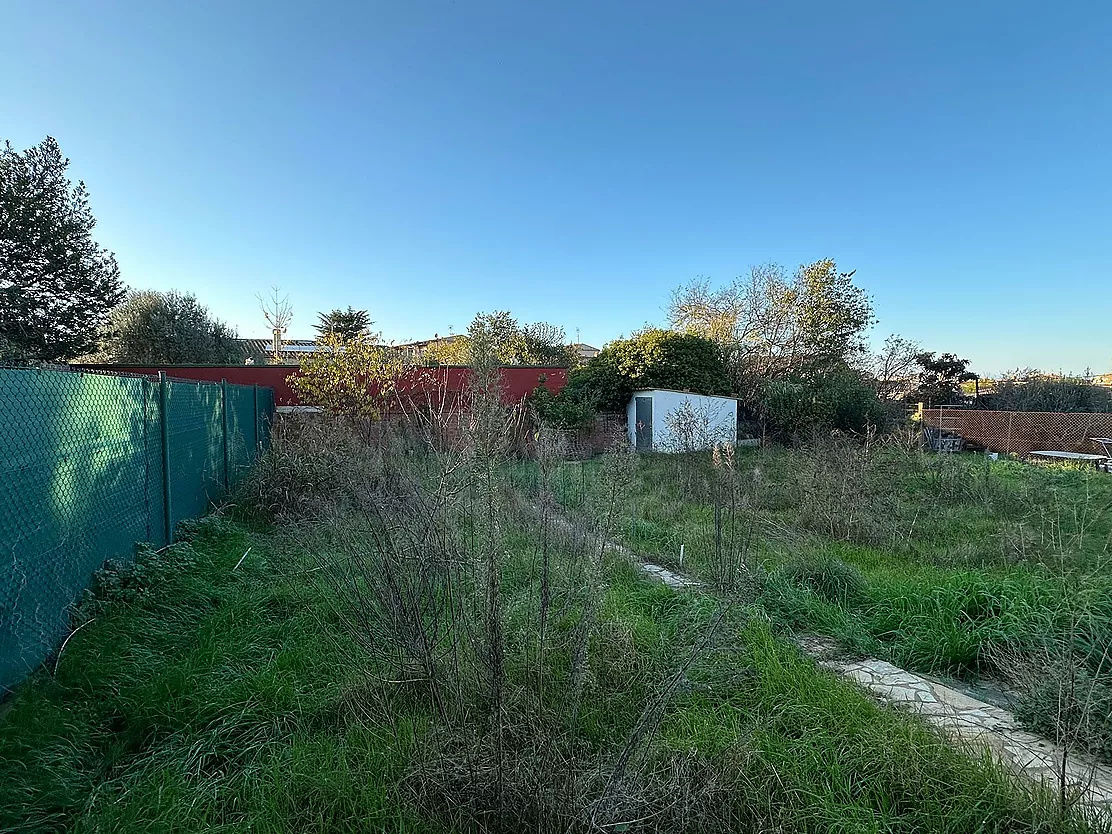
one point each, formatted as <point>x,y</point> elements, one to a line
<point>1022,432</point>
<point>419,384</point>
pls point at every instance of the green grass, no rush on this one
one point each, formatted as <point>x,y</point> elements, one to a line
<point>207,698</point>
<point>791,747</point>
<point>935,563</point>
<point>209,702</point>
<point>829,759</point>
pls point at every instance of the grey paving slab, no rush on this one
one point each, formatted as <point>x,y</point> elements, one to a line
<point>974,723</point>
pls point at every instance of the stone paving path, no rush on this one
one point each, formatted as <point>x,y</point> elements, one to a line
<point>675,581</point>
<point>966,720</point>
<point>972,722</point>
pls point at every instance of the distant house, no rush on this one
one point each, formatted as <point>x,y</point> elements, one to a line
<point>292,351</point>
<point>261,351</point>
<point>416,350</point>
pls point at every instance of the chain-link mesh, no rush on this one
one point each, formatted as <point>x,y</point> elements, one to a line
<point>1023,432</point>
<point>82,481</point>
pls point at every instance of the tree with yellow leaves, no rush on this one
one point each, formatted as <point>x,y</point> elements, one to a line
<point>351,377</point>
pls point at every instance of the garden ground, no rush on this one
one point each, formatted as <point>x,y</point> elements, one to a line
<point>380,641</point>
<point>992,573</point>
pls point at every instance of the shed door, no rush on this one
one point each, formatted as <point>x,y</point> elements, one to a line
<point>643,407</point>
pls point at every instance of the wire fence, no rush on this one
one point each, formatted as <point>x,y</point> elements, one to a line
<point>1023,432</point>
<point>90,465</point>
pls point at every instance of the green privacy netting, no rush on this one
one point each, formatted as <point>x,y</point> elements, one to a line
<point>83,458</point>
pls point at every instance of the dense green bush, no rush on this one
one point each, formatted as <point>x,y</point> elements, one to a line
<point>840,399</point>
<point>831,578</point>
<point>155,328</point>
<point>649,359</point>
<point>562,410</point>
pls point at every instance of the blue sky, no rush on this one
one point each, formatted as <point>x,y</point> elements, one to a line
<point>573,162</point>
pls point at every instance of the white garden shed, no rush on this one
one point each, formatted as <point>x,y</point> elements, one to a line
<point>660,420</point>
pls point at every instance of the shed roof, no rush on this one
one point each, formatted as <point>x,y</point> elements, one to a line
<point>691,393</point>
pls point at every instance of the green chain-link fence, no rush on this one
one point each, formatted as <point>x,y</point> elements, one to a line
<point>91,464</point>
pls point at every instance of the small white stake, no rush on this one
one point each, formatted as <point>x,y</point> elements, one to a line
<point>241,558</point>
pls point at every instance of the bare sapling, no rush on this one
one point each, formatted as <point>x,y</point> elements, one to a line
<point>390,566</point>
<point>733,522</point>
<point>492,428</point>
<point>435,422</point>
<point>548,448</point>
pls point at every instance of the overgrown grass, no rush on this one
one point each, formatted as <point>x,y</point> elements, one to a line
<point>213,691</point>
<point>210,701</point>
<point>942,564</point>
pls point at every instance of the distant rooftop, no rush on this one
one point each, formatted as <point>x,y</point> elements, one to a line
<point>426,342</point>
<point>255,346</point>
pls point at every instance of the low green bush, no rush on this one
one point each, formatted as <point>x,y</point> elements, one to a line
<point>126,581</point>
<point>829,577</point>
<point>569,409</point>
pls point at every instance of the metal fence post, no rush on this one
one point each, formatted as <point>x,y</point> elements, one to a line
<point>164,419</point>
<point>256,412</point>
<point>224,421</point>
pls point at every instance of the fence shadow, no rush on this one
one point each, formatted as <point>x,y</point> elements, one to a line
<point>82,481</point>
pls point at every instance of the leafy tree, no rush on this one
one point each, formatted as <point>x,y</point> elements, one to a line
<point>499,336</point>
<point>354,378</point>
<point>650,359</point>
<point>155,328</point>
<point>57,285</point>
<point>345,324</point>
<point>940,378</point>
<point>496,335</point>
<point>543,344</point>
<point>774,326</point>
<point>892,367</point>
<point>451,350</point>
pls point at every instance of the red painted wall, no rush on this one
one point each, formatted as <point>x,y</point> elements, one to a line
<point>517,382</point>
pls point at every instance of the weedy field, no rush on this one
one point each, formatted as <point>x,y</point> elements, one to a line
<point>994,572</point>
<point>392,638</point>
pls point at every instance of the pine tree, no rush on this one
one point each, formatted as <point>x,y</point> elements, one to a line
<point>346,325</point>
<point>57,284</point>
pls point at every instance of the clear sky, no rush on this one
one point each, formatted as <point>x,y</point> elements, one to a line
<point>574,161</point>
